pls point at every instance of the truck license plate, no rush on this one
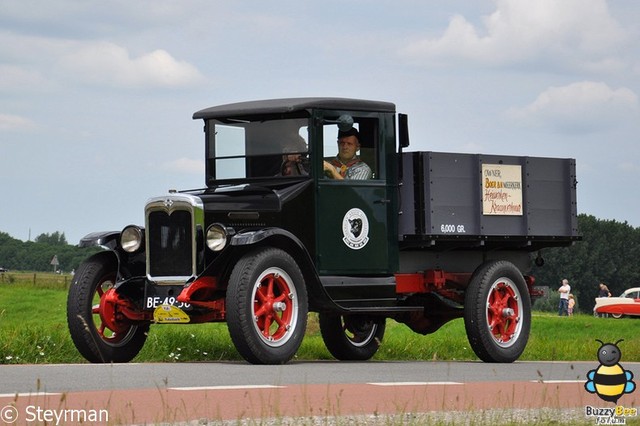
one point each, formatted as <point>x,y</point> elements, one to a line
<point>163,295</point>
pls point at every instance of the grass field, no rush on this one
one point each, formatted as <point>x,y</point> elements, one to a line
<point>33,329</point>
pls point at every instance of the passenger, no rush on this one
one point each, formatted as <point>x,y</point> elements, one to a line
<point>347,164</point>
<point>294,163</point>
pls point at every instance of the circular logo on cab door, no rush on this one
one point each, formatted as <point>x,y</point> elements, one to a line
<point>355,228</point>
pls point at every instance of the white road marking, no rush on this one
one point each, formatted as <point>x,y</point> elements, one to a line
<point>10,395</point>
<point>200,388</point>
<point>413,383</point>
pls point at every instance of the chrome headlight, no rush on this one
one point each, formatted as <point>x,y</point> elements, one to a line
<point>131,238</point>
<point>217,236</point>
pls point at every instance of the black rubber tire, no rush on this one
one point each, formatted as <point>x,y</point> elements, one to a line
<point>246,313</point>
<point>495,277</point>
<point>352,337</point>
<point>96,275</point>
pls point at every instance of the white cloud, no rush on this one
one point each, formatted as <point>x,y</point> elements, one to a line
<point>15,122</point>
<point>629,167</point>
<point>185,165</point>
<point>579,107</point>
<point>581,31</point>
<point>104,62</point>
<point>17,78</point>
<point>88,62</point>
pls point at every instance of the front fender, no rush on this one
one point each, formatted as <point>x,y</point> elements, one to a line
<point>255,236</point>
<point>126,266</point>
<point>277,237</point>
<point>108,240</point>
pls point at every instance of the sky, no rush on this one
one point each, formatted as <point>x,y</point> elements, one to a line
<point>97,97</point>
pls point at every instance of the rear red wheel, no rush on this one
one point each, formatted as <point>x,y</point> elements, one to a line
<point>497,312</point>
<point>352,337</point>
<point>504,310</point>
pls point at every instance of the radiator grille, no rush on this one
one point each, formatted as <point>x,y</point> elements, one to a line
<point>170,243</point>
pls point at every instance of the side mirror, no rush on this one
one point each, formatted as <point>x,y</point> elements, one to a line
<point>344,122</point>
<point>403,130</point>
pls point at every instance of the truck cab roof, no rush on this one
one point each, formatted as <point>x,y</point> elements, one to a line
<point>288,105</point>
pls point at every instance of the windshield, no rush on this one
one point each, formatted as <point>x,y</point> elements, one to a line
<point>240,149</point>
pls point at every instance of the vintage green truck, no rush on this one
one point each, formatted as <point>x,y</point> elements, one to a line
<point>427,237</point>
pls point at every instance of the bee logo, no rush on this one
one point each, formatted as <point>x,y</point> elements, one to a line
<point>609,381</point>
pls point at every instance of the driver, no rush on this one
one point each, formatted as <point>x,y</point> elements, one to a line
<point>347,165</point>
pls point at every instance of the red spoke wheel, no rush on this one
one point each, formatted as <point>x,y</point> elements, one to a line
<point>497,312</point>
<point>98,332</point>
<point>504,307</point>
<point>103,313</point>
<point>352,337</point>
<point>274,307</point>
<point>267,306</point>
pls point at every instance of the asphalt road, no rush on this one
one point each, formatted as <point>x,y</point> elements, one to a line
<point>229,391</point>
<point>86,377</point>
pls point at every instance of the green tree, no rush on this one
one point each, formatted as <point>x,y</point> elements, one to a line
<point>36,255</point>
<point>55,239</point>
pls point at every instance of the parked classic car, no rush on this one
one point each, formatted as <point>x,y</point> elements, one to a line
<point>627,304</point>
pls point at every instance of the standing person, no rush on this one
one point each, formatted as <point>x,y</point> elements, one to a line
<point>564,291</point>
<point>571,305</point>
<point>603,291</point>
